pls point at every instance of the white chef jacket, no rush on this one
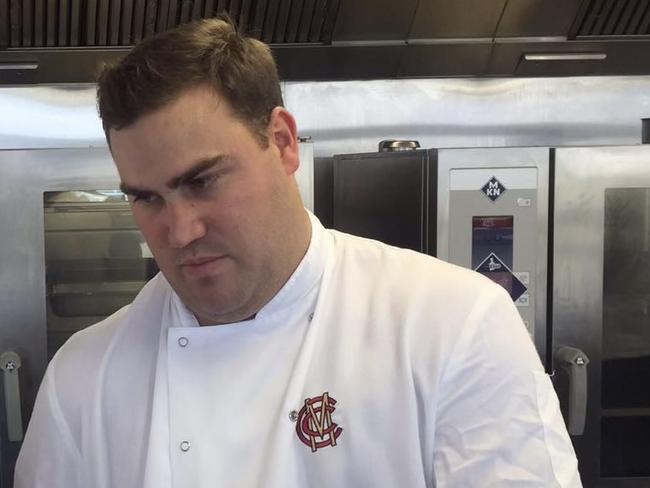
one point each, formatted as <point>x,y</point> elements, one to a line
<point>372,367</point>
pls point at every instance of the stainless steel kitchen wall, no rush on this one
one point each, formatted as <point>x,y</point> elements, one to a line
<point>37,117</point>
<point>353,117</point>
<point>348,117</point>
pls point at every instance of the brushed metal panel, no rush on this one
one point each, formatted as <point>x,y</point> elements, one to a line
<point>320,13</point>
<point>127,22</point>
<point>114,32</point>
<point>15,24</point>
<point>280,32</point>
<point>28,23</point>
<point>603,15</point>
<point>330,21</point>
<point>537,18</point>
<point>257,25</point>
<point>389,20</point>
<point>244,15</point>
<point>91,22</point>
<point>25,176</point>
<point>46,117</point>
<point>150,18</point>
<point>163,13</point>
<point>222,7</point>
<point>64,23</point>
<point>623,57</point>
<point>102,22</point>
<point>235,7</point>
<point>353,116</point>
<point>197,10</point>
<point>293,24</point>
<point>503,157</point>
<point>4,25</point>
<point>626,21</point>
<point>641,12</point>
<point>270,22</point>
<point>138,20</point>
<point>582,175</point>
<point>332,63</point>
<point>210,9</point>
<point>446,60</point>
<point>172,16</point>
<point>306,20</point>
<point>456,19</point>
<point>75,22</point>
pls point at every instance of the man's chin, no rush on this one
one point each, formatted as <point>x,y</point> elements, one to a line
<point>214,309</point>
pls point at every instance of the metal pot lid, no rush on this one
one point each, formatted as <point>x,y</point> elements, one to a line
<point>391,145</point>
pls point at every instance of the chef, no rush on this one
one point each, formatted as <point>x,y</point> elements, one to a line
<point>269,351</point>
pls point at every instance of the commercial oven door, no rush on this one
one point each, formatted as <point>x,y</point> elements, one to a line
<point>29,179</point>
<point>601,309</point>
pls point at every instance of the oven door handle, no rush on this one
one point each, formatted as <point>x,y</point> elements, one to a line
<point>574,362</point>
<point>10,364</point>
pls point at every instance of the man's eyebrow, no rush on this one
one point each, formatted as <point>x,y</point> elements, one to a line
<point>198,168</point>
<point>132,190</point>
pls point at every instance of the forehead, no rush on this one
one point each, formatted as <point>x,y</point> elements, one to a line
<point>193,106</point>
<point>195,125</point>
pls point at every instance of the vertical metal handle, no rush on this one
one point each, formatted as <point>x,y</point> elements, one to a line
<point>575,362</point>
<point>9,364</point>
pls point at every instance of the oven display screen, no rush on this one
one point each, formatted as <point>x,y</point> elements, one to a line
<point>492,242</point>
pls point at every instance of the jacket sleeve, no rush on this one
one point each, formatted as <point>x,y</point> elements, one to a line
<point>49,457</point>
<point>498,423</point>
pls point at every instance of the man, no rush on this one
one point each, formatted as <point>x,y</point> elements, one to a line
<point>271,352</point>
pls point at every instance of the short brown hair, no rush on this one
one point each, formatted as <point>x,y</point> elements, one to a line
<point>240,69</point>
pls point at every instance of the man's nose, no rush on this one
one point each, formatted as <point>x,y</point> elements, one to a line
<point>184,223</point>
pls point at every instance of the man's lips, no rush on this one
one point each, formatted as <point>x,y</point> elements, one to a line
<point>200,261</point>
<point>202,266</point>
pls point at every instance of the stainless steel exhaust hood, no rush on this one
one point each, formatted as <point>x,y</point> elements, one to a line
<point>343,39</point>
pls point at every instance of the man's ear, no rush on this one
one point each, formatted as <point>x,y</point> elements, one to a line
<point>283,134</point>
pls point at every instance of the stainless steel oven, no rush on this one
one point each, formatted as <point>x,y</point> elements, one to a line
<point>30,181</point>
<point>601,309</point>
<point>484,209</point>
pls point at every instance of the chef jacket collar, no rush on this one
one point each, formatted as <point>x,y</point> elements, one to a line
<point>304,278</point>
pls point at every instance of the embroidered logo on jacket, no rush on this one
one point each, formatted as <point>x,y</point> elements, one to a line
<point>314,425</point>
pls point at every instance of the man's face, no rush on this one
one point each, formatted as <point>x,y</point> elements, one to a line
<point>221,215</point>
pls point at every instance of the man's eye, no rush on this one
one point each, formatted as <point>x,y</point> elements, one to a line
<point>201,182</point>
<point>146,198</point>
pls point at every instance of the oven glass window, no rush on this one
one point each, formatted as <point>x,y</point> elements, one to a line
<point>625,422</point>
<point>96,260</point>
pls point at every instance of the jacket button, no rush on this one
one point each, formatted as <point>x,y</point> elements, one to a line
<point>183,341</point>
<point>185,446</point>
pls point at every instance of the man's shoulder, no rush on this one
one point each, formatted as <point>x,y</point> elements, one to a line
<point>84,354</point>
<point>407,272</point>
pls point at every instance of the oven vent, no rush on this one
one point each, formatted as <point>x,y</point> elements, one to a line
<point>80,23</point>
<point>613,18</point>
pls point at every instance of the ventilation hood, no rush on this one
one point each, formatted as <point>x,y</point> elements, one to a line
<point>64,41</point>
